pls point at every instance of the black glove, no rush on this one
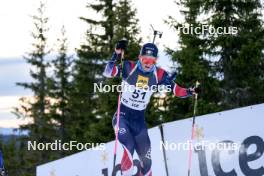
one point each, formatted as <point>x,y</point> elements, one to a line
<point>121,44</point>
<point>192,90</point>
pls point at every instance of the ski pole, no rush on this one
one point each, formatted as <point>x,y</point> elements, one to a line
<point>118,108</point>
<point>155,33</point>
<point>193,129</point>
<point>117,129</point>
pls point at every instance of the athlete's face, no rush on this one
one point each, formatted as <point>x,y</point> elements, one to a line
<point>147,62</point>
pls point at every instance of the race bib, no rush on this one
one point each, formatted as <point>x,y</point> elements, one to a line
<point>136,97</point>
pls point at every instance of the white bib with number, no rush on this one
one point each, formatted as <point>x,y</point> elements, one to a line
<point>135,97</point>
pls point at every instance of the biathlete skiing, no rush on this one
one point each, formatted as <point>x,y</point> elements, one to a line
<point>130,119</point>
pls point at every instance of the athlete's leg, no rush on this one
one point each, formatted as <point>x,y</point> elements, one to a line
<point>127,140</point>
<point>143,149</point>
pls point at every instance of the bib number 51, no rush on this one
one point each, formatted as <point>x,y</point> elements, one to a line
<point>137,93</point>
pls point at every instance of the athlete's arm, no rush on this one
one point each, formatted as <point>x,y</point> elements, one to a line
<point>176,89</point>
<point>112,69</point>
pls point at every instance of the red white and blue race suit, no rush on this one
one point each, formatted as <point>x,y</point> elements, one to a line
<point>133,134</point>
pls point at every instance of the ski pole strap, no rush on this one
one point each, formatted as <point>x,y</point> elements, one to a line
<point>197,84</point>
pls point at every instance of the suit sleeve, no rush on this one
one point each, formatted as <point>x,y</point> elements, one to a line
<point>176,89</point>
<point>113,70</point>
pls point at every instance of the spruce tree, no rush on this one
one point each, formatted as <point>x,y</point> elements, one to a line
<point>35,109</point>
<point>11,154</point>
<point>192,64</point>
<point>118,21</point>
<point>240,54</point>
<point>60,90</point>
<point>88,69</point>
<point>125,26</point>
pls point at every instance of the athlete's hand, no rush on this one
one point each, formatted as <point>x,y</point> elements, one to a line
<point>194,90</point>
<point>120,48</point>
<point>119,52</point>
<point>121,45</point>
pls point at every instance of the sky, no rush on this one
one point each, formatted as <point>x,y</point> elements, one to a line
<point>15,39</point>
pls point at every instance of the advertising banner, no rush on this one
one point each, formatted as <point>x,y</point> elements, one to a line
<point>100,162</point>
<point>228,143</point>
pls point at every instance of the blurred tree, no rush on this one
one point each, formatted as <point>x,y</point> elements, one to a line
<point>96,109</point>
<point>60,91</point>
<point>125,26</point>
<point>88,68</point>
<point>10,147</point>
<point>191,64</point>
<point>35,109</point>
<point>240,55</point>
